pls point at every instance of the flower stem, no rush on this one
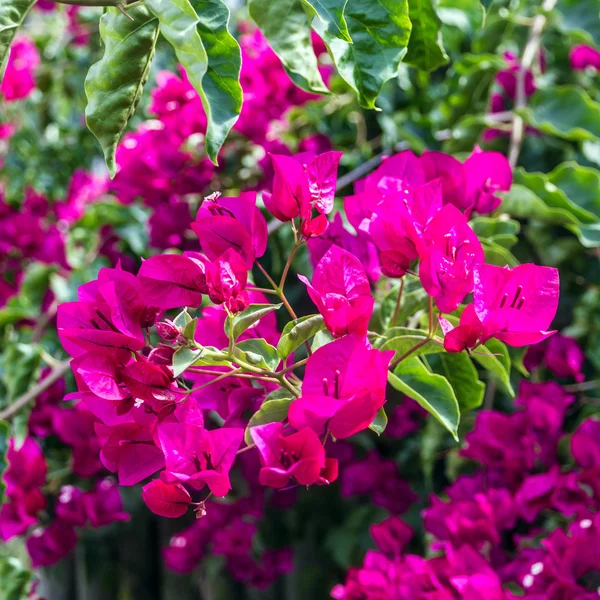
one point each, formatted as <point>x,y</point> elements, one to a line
<point>394,320</point>
<point>398,360</point>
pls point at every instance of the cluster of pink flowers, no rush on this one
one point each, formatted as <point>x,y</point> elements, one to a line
<point>524,522</point>
<point>25,478</point>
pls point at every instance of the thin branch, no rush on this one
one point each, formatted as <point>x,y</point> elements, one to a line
<point>59,371</point>
<point>529,55</point>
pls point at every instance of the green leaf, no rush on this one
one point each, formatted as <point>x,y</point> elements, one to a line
<point>492,227</point>
<point>322,338</point>
<point>189,331</point>
<point>466,15</point>
<point>258,353</point>
<point>522,203</point>
<point>214,77</point>
<point>12,15</point>
<point>285,25</point>
<point>331,13</point>
<point>184,358</point>
<point>403,343</point>
<point>432,391</point>
<point>182,319</point>
<point>553,196</point>
<point>4,435</point>
<point>411,302</point>
<point>425,48</point>
<point>19,366</point>
<point>249,317</point>
<point>498,255</point>
<point>581,185</point>
<point>380,31</point>
<point>589,235</point>
<point>494,357</point>
<point>464,379</point>
<point>15,579</point>
<point>222,94</point>
<point>564,111</point>
<point>271,411</point>
<point>580,17</point>
<point>114,84</point>
<point>296,332</point>
<point>379,422</point>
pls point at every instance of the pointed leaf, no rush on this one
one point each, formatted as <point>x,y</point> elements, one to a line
<point>114,84</point>
<point>271,411</point>
<point>403,343</point>
<point>522,203</point>
<point>432,391</point>
<point>258,353</point>
<point>494,357</point>
<point>185,358</point>
<point>213,77</point>
<point>12,15</point>
<point>464,379</point>
<point>425,48</point>
<point>247,318</point>
<point>380,30</point>
<point>331,14</point>
<point>379,422</point>
<point>285,25</point>
<point>295,333</point>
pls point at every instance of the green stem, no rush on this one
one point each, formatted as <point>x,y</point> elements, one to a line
<point>398,360</point>
<point>398,304</point>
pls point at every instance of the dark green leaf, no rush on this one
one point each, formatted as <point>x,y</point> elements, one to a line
<point>463,378</point>
<point>285,25</point>
<point>379,422</point>
<point>380,30</point>
<point>580,17</point>
<point>466,15</point>
<point>331,13</point>
<point>589,235</point>
<point>411,302</point>
<point>213,77</point>
<point>432,391</point>
<point>258,353</point>
<point>493,356</point>
<point>222,93</point>
<point>271,411</point>
<point>114,84</point>
<point>564,111</point>
<point>322,338</point>
<point>403,343</point>
<point>249,317</point>
<point>490,228</point>
<point>295,333</point>
<point>498,255</point>
<point>581,185</point>
<point>12,15</point>
<point>425,48</point>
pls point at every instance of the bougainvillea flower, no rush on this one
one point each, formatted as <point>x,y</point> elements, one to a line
<point>19,78</point>
<point>314,227</point>
<point>449,252</point>
<point>148,381</point>
<point>451,175</point>
<point>300,456</point>
<point>391,535</point>
<point>585,444</point>
<point>564,357</point>
<point>395,174</point>
<point>486,174</point>
<point>26,467</point>
<point>516,305</point>
<point>100,374</point>
<point>88,327</point>
<point>359,245</point>
<point>129,451</point>
<point>291,195</point>
<point>103,504</point>
<point>343,388</point>
<point>166,499</point>
<point>398,224</point>
<point>583,56</point>
<point>15,520</point>
<point>69,507</point>
<point>199,457</point>
<point>236,223</point>
<point>173,281</point>
<point>321,174</point>
<point>47,546</point>
<point>227,278</point>
<point>507,78</point>
<point>341,291</point>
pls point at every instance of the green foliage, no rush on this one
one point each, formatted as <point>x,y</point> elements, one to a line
<point>331,13</point>
<point>213,69</point>
<point>286,27</point>
<point>248,317</point>
<point>425,48</point>
<point>258,353</point>
<point>114,84</point>
<point>379,422</point>
<point>493,356</point>
<point>296,332</point>
<point>432,391</point>
<point>19,366</point>
<point>464,379</point>
<point>271,411</point>
<point>15,579</point>
<point>4,435</point>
